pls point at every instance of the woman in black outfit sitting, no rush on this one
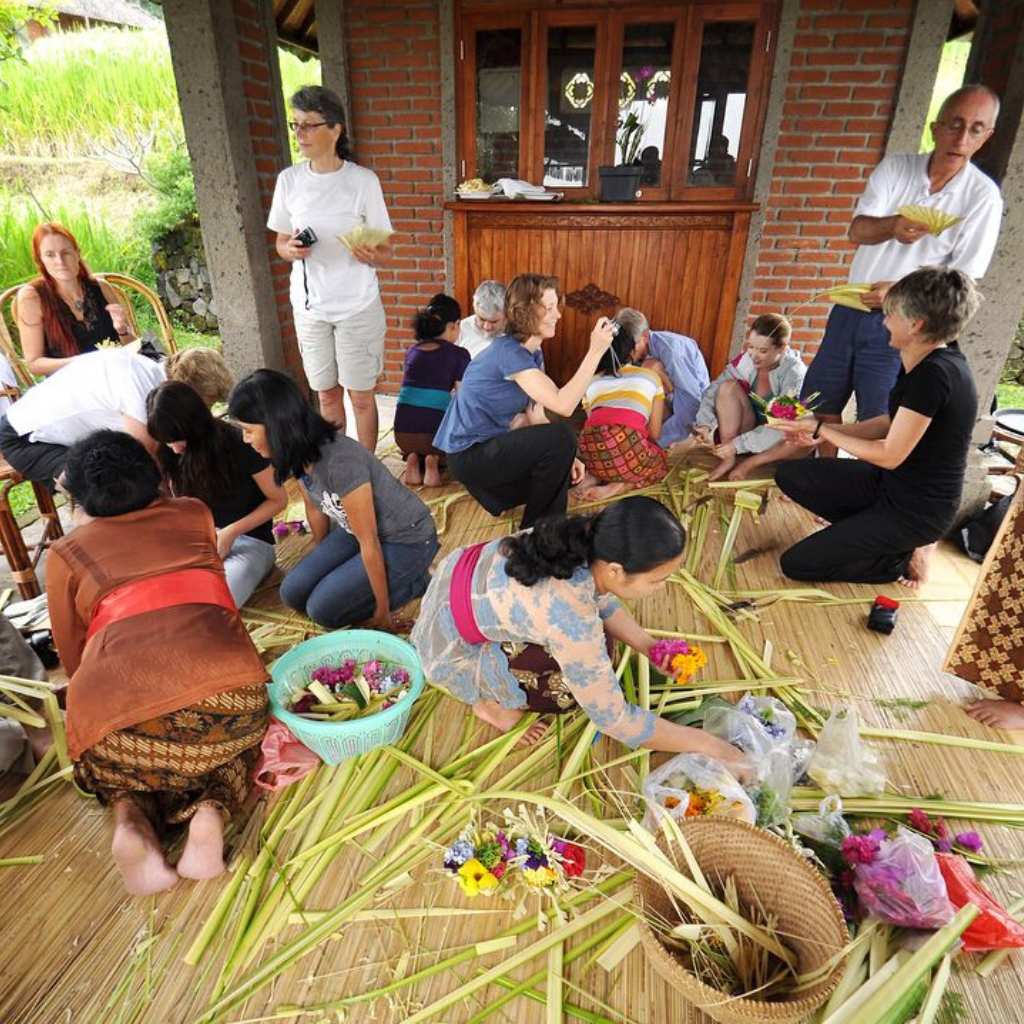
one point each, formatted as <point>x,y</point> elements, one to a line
<point>899,495</point>
<point>65,311</point>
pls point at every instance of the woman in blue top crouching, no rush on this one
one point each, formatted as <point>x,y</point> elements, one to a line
<point>503,455</point>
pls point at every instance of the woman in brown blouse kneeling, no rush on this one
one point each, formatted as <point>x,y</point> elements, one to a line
<point>167,701</point>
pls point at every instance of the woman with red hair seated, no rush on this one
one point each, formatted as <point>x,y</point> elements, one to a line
<point>65,311</point>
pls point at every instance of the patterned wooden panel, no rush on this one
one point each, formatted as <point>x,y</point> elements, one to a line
<point>680,268</point>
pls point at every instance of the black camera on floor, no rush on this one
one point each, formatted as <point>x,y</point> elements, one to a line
<point>306,237</point>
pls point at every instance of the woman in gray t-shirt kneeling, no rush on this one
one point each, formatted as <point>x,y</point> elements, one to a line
<point>374,538</point>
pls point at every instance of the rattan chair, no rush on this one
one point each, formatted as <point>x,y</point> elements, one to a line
<point>22,559</point>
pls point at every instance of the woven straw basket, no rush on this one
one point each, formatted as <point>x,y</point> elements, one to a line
<point>765,869</point>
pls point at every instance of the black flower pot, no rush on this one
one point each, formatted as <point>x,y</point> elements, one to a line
<point>620,184</point>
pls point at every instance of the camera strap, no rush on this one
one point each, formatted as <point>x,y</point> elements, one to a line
<point>305,283</point>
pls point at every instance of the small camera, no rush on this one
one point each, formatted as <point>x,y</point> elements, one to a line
<point>616,327</point>
<point>306,237</point>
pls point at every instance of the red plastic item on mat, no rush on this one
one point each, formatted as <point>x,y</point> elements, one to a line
<point>283,759</point>
<point>993,928</point>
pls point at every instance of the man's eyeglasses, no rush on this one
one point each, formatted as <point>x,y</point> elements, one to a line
<point>298,128</point>
<point>957,127</point>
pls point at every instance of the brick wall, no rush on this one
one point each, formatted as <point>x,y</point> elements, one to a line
<point>394,67</point>
<point>847,59</point>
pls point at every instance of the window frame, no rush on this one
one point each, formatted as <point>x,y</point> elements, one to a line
<point>533,18</point>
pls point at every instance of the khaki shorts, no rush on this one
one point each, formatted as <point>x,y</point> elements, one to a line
<point>347,352</point>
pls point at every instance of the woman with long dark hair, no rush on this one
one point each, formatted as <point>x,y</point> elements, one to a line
<point>339,319</point>
<point>433,369</point>
<point>167,699</point>
<point>522,623</point>
<point>205,457</point>
<point>374,538</point>
<point>65,311</point>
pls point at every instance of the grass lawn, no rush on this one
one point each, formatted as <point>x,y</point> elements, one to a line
<point>1011,396</point>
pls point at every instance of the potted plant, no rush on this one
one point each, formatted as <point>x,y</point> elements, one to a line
<point>619,183</point>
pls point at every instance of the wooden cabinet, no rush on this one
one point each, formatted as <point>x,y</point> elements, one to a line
<point>677,263</point>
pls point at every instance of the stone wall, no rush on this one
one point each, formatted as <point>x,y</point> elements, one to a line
<point>182,279</point>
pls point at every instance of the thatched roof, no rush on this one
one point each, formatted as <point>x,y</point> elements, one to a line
<point>108,12</point>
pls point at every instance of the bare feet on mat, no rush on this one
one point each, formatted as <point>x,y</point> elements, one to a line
<point>742,470</point>
<point>578,492</point>
<point>602,492</point>
<point>203,856</point>
<point>137,852</point>
<point>506,719</point>
<point>1000,714</point>
<point>726,455</point>
<point>432,477</point>
<point>918,567</point>
<point>412,475</point>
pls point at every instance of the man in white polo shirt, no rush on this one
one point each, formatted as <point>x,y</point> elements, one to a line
<point>854,356</point>
<point>99,390</point>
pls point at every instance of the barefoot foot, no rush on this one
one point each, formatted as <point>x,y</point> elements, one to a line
<point>413,476</point>
<point>137,852</point>
<point>432,476</point>
<point>1000,714</point>
<point>918,567</point>
<point>723,469</point>
<point>601,492</point>
<point>203,856</point>
<point>506,719</point>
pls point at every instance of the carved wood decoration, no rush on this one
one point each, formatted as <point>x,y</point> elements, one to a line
<point>591,300</point>
<point>680,268</point>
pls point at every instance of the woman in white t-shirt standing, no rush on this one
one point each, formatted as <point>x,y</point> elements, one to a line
<point>339,319</point>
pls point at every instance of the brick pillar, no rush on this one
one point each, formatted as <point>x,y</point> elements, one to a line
<point>845,65</point>
<point>395,76</point>
<point>224,58</point>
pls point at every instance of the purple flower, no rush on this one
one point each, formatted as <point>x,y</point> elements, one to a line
<point>558,845</point>
<point>506,846</point>
<point>878,834</point>
<point>944,845</point>
<point>536,860</point>
<point>461,851</point>
<point>281,529</point>
<point>647,71</point>
<point>969,841</point>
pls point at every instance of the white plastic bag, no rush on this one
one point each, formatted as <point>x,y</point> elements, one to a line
<point>756,725</point>
<point>693,785</point>
<point>771,794</point>
<point>827,826</point>
<point>842,764</point>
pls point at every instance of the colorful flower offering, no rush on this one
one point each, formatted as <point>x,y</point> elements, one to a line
<point>489,859</point>
<point>678,658</point>
<point>340,693</point>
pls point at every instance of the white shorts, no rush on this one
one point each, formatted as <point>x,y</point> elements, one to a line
<point>347,352</point>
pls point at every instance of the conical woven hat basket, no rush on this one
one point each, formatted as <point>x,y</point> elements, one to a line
<point>766,871</point>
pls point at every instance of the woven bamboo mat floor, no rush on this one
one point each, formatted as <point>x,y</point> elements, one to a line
<point>70,934</point>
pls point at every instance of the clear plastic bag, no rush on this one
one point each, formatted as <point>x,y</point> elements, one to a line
<point>775,785</point>
<point>903,884</point>
<point>693,785</point>
<point>756,725</point>
<point>841,763</point>
<point>828,826</point>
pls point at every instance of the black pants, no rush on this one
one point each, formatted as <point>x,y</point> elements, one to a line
<point>870,539</point>
<point>34,460</point>
<point>531,465</point>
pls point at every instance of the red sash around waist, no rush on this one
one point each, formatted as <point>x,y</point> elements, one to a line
<point>460,592</point>
<point>185,586</point>
<point>609,416</point>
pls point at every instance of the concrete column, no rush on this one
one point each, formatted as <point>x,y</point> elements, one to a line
<point>988,338</point>
<point>330,36</point>
<point>766,165</point>
<point>207,62</point>
<point>920,68</point>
